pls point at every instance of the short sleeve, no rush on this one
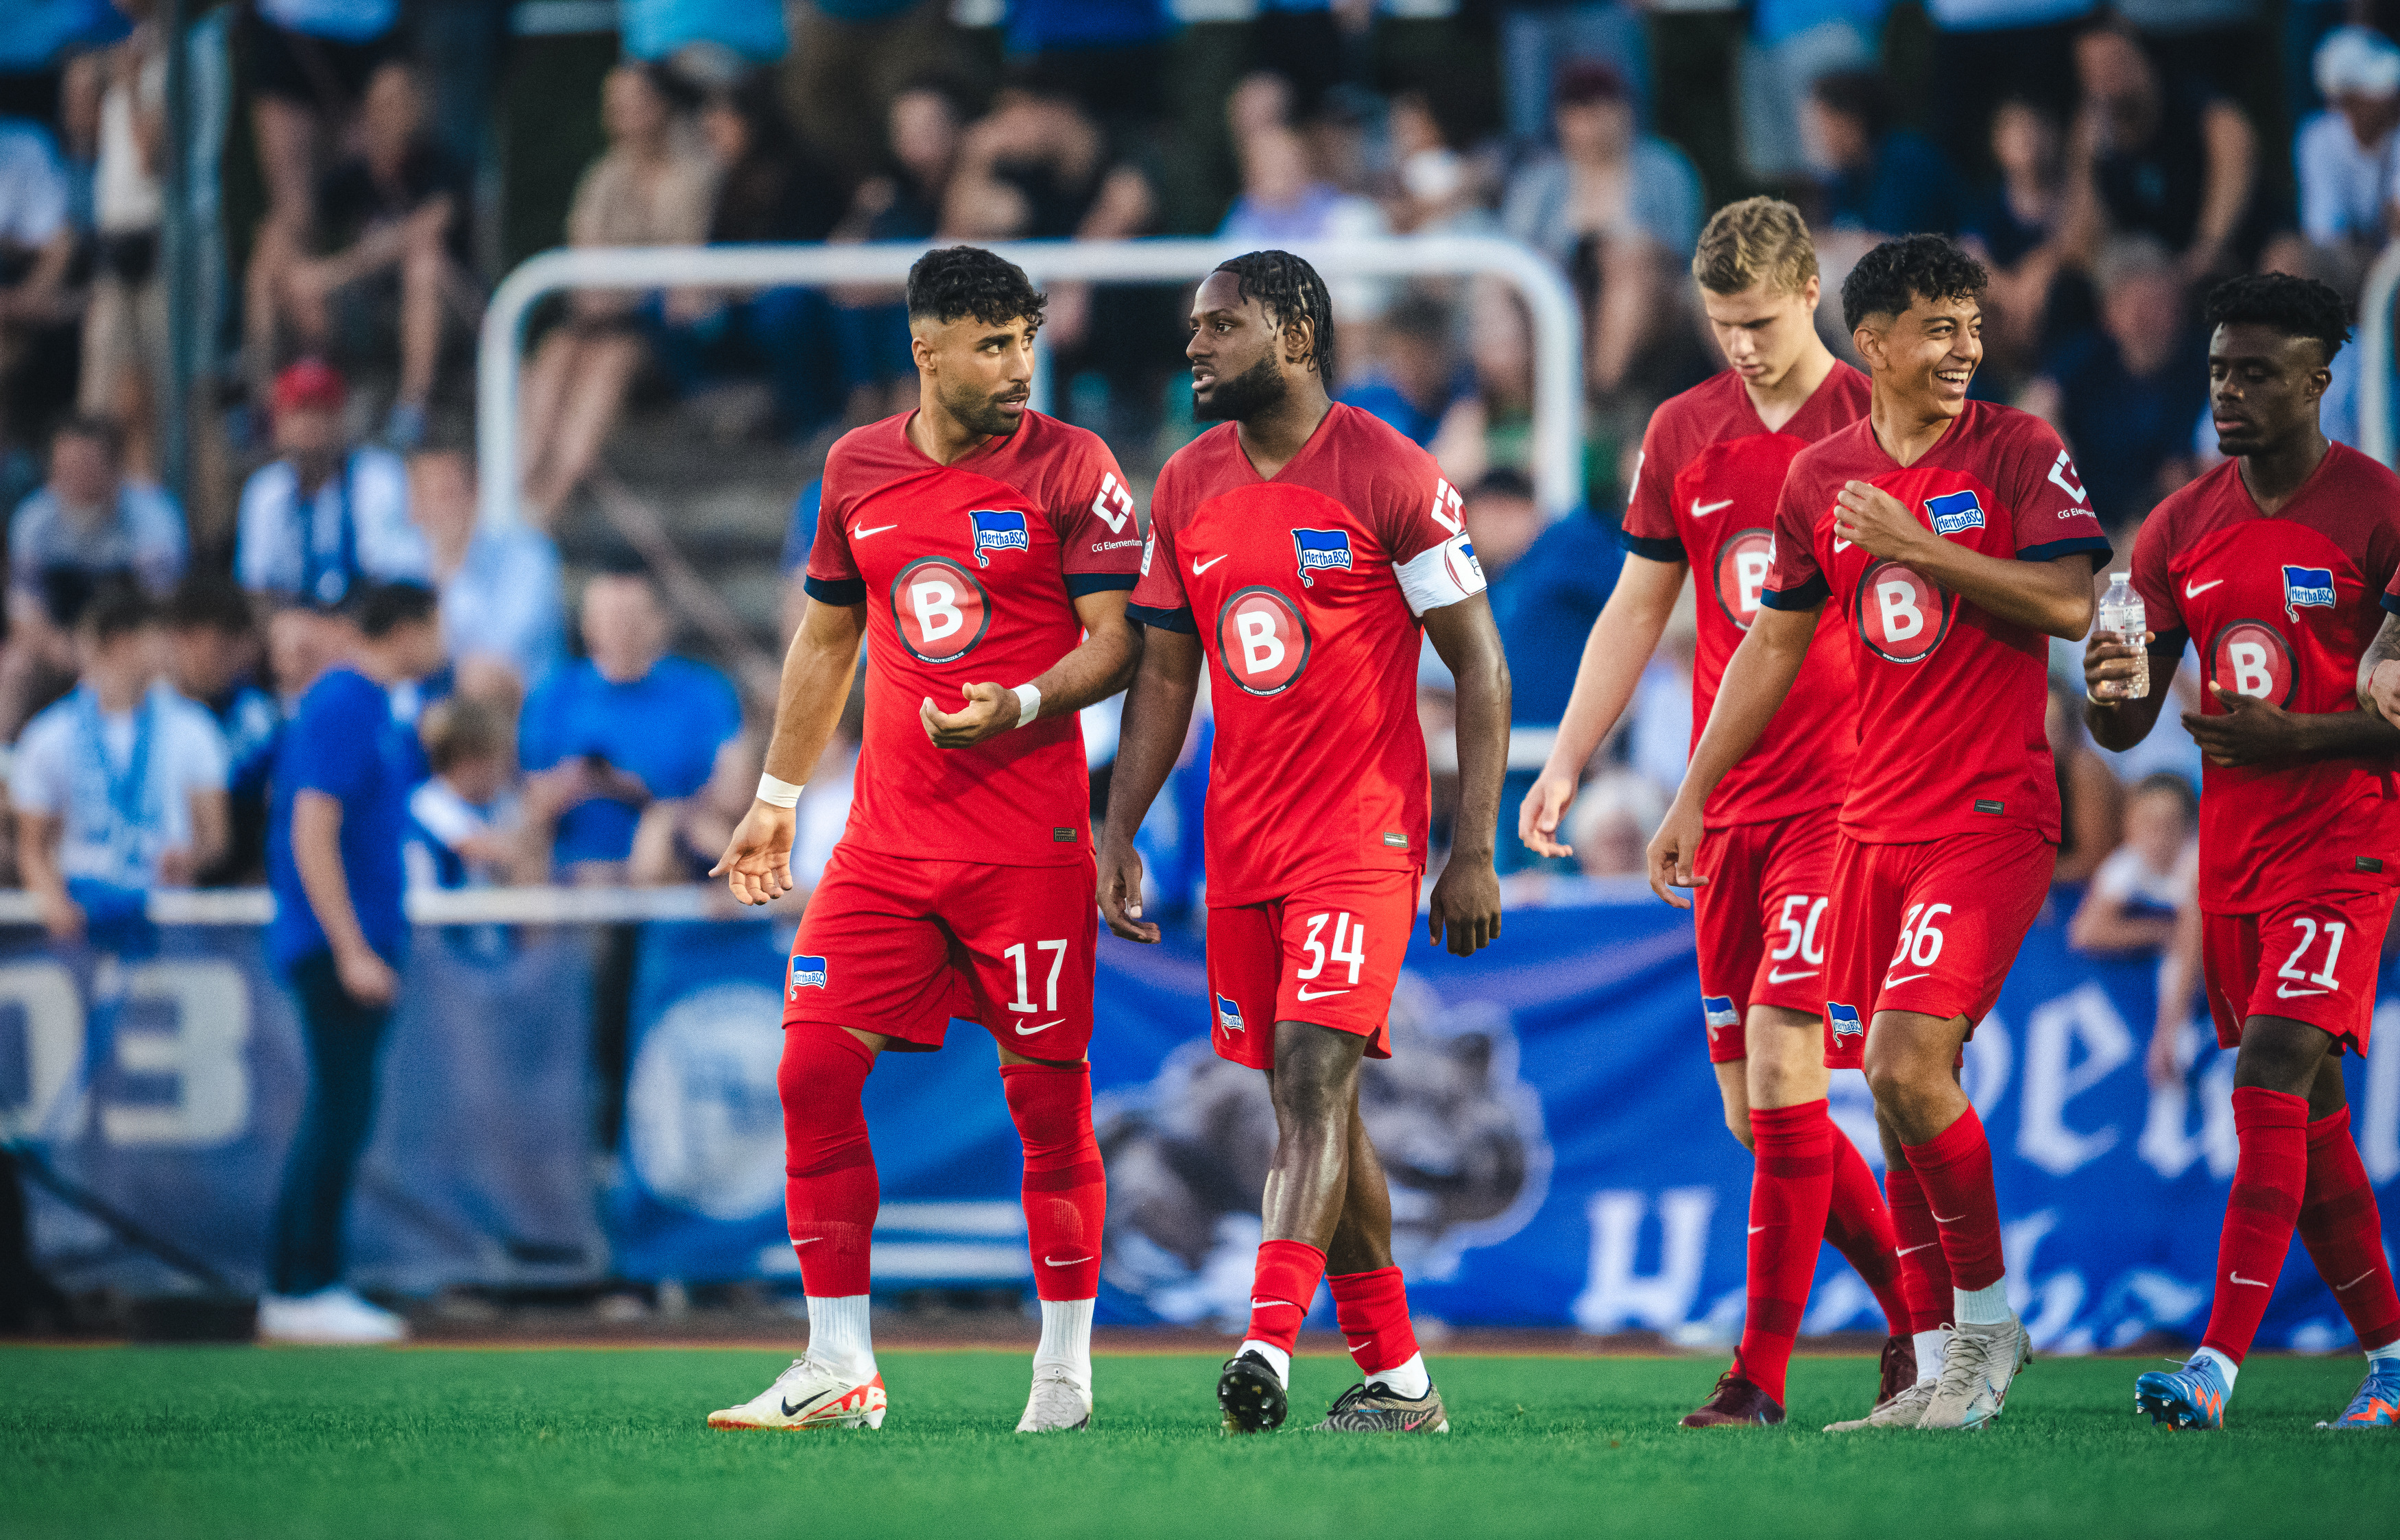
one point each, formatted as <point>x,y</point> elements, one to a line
<point>37,774</point>
<point>2052,511</point>
<point>263,558</point>
<point>1649,529</point>
<point>201,762</point>
<point>1099,530</point>
<point>1420,520</point>
<point>335,746</point>
<point>540,726</point>
<point>1158,596</point>
<point>390,545</point>
<point>160,548</point>
<point>1796,581</point>
<point>831,574</point>
<point>2153,547</point>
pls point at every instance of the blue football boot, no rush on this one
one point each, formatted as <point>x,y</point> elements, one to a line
<point>2192,1396</point>
<point>2378,1401</point>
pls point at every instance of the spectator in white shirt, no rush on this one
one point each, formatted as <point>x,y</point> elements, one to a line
<point>2132,904</point>
<point>2343,154</point>
<point>121,786</point>
<point>319,518</point>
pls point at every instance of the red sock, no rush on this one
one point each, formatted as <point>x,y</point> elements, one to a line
<point>2344,1233</point>
<point>1859,1227</point>
<point>1954,1168</point>
<point>1916,1241</point>
<point>829,1192</point>
<point>1281,1290</point>
<point>1791,1186</point>
<point>1373,1310</point>
<point>1066,1190</point>
<point>2260,1213</point>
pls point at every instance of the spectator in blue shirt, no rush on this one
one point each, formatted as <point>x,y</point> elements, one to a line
<point>1876,178</point>
<point>335,862</point>
<point>1415,374</point>
<point>213,653</point>
<point>500,601</point>
<point>627,724</point>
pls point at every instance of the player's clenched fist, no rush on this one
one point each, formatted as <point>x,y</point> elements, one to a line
<point>1544,809</point>
<point>1874,520</point>
<point>1672,850</point>
<point>2109,662</point>
<point>1121,891</point>
<point>1465,906</point>
<point>756,864</point>
<point>990,711</point>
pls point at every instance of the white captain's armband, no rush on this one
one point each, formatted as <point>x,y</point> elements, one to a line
<point>1441,575</point>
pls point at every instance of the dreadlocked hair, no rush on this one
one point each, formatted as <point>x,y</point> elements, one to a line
<point>1289,290</point>
<point>2295,307</point>
<point>969,281</point>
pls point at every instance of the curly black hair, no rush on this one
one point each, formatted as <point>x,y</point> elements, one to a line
<point>968,281</point>
<point>1896,274</point>
<point>1289,290</point>
<point>2295,307</point>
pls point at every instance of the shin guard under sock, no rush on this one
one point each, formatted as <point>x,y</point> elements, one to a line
<point>1859,1227</point>
<point>2260,1211</point>
<point>1372,1310</point>
<point>1281,1290</point>
<point>1066,1191</point>
<point>1955,1169</point>
<point>1916,1241</point>
<point>829,1190</point>
<point>2343,1231</point>
<point>1791,1190</point>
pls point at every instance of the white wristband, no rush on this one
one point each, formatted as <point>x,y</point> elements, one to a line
<point>779,793</point>
<point>1028,703</point>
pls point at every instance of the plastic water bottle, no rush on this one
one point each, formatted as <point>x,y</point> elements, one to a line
<point>2121,619</point>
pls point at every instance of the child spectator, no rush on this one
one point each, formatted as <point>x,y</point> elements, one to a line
<point>120,787</point>
<point>466,823</point>
<point>214,655</point>
<point>322,516</point>
<point>2138,890</point>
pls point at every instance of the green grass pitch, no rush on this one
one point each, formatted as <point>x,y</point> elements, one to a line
<point>169,1442</point>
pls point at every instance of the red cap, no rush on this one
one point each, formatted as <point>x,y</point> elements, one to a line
<point>311,384</point>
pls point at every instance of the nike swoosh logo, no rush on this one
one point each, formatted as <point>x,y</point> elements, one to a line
<point>857,534</point>
<point>810,1241</point>
<point>2193,590</point>
<point>2284,991</point>
<point>1257,1303</point>
<point>1840,545</point>
<point>2355,1281</point>
<point>1776,976</point>
<point>1355,1346</point>
<point>1023,1030</point>
<point>1198,566</point>
<point>791,1411</point>
<point>1906,1250</point>
<point>1701,510</point>
<point>1907,977</point>
<point>1307,993</point>
<point>2254,1282</point>
<point>1756,1228</point>
<point>1943,1218</point>
<point>1062,1261</point>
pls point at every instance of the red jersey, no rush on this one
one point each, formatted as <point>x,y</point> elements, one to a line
<point>969,573</point>
<point>1704,493</point>
<point>1950,698</point>
<point>2283,606</point>
<point>1304,591</point>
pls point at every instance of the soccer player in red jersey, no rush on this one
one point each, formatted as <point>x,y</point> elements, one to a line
<point>1704,496</point>
<point>1297,551</point>
<point>971,543</point>
<point>2274,564</point>
<point>1956,538</point>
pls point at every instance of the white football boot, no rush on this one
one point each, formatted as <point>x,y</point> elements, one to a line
<point>331,1317</point>
<point>805,1396</point>
<point>1984,1362</point>
<point>1905,1410</point>
<point>1057,1404</point>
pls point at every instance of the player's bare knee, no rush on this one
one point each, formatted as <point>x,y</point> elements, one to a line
<point>2290,1056</point>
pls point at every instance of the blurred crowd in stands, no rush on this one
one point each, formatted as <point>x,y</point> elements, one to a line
<point>362,172</point>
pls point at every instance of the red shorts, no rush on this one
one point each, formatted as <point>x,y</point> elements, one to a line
<point>1931,928</point>
<point>899,946</point>
<point>1760,918</point>
<point>1329,955</point>
<point>2309,959</point>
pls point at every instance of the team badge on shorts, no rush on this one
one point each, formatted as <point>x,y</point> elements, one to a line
<point>808,973</point>
<point>1955,512</point>
<point>2307,588</point>
<point>996,530</point>
<point>1844,1019</point>
<point>1228,1015</point>
<point>1718,1012</point>
<point>1320,551</point>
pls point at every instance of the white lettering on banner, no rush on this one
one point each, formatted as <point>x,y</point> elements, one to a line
<point>44,996</point>
<point>2047,1306</point>
<point>2054,1076</point>
<point>1615,1295</point>
<point>1901,619</point>
<point>201,1047</point>
<point>936,603</point>
<point>2377,1129</point>
<point>1262,651</point>
<point>2168,1146</point>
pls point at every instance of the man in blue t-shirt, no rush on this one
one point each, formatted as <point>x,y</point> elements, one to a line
<point>621,726</point>
<point>339,819</point>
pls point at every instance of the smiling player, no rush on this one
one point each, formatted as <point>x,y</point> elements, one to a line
<point>2273,563</point>
<point>1299,550</point>
<point>971,543</point>
<point>1956,538</point>
<point>1711,468</point>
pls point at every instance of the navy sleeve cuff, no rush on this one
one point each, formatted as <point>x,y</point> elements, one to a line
<point>1163,620</point>
<point>2170,641</point>
<point>1081,583</point>
<point>2391,603</point>
<point>2097,544</point>
<point>836,591</point>
<point>1656,548</point>
<point>1808,595</point>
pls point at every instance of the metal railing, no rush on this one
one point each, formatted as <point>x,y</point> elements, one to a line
<point>1557,330</point>
<point>539,905</point>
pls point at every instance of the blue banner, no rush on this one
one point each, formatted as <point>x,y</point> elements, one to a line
<point>1548,1119</point>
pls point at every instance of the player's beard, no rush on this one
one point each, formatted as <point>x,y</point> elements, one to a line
<point>981,414</point>
<point>1244,395</point>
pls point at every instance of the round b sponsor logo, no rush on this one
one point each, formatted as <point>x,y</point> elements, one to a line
<point>1902,615</point>
<point>940,609</point>
<point>1263,640</point>
<point>2251,658</point>
<point>1743,563</point>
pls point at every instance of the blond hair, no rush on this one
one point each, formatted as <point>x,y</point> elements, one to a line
<point>1756,240</point>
